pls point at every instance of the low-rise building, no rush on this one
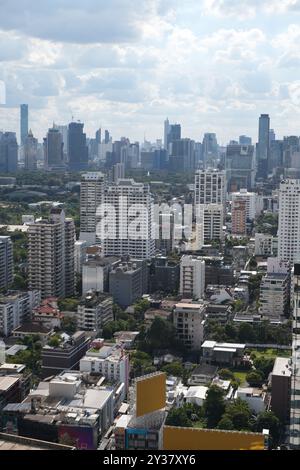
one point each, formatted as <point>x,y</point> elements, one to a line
<point>14,383</point>
<point>256,398</point>
<point>203,374</point>
<point>48,313</point>
<point>218,313</point>
<point>265,245</point>
<point>65,356</point>
<point>111,362</point>
<point>196,395</point>
<point>128,282</point>
<point>34,328</point>
<point>223,353</point>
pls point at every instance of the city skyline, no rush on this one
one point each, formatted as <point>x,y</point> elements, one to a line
<point>213,66</point>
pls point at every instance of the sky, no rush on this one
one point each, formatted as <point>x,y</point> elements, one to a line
<point>126,65</point>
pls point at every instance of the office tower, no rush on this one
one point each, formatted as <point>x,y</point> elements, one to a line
<point>91,197</point>
<point>210,187</point>
<point>128,219</point>
<point>98,136</point>
<point>211,217</point>
<point>134,155</point>
<point>192,277</point>
<point>172,133</point>
<point>209,150</point>
<point>23,123</point>
<point>188,320</point>
<point>166,133</point>
<point>272,136</point>
<point>77,148</point>
<point>198,154</point>
<point>275,290</point>
<point>8,152</point>
<point>263,146</point>
<point>239,164</point>
<point>6,262</point>
<point>276,155</point>
<point>51,257</point>
<point>118,172</point>
<point>53,150</point>
<point>182,156</point>
<point>254,203</point>
<point>107,137</point>
<point>289,220</point>
<point>239,217</point>
<point>30,152</point>
<point>244,140</point>
<point>16,308</point>
<point>291,146</point>
<point>64,132</point>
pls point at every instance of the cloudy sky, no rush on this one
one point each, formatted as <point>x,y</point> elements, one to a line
<point>124,65</point>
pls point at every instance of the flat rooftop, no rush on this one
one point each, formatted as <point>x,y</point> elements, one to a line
<point>282,367</point>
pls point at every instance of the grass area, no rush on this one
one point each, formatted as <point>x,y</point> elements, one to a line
<point>241,376</point>
<point>270,353</point>
<point>199,425</point>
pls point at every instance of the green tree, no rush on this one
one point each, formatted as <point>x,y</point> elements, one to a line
<point>178,417</point>
<point>214,406</point>
<point>246,333</point>
<point>161,334</point>
<point>69,325</point>
<point>255,378</point>
<point>226,374</point>
<point>239,414</point>
<point>268,420</point>
<point>226,423</point>
<point>264,365</point>
<point>175,369</point>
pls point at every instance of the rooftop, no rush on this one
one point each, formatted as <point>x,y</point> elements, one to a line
<point>282,367</point>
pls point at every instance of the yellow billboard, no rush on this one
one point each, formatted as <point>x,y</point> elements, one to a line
<point>176,438</point>
<point>150,393</point>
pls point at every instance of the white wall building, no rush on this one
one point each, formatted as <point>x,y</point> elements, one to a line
<point>188,319</point>
<point>130,216</point>
<point>210,187</point>
<point>289,220</point>
<point>265,245</point>
<point>16,308</point>
<point>91,196</point>
<point>192,277</point>
<point>94,312</point>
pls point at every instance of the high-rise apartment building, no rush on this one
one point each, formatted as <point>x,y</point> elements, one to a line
<point>8,152</point>
<point>51,259</point>
<point>254,203</point>
<point>54,150</point>
<point>63,129</point>
<point>263,146</point>
<point>212,218</point>
<point>188,320</point>
<point>23,123</point>
<point>6,262</point>
<point>289,220</point>
<point>94,311</point>
<point>182,157</point>
<point>275,290</point>
<point>30,152</point>
<point>91,197</point>
<point>77,147</point>
<point>210,187</point>
<point>239,217</point>
<point>127,225</point>
<point>192,277</point>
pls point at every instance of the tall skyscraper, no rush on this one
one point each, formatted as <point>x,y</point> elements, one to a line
<point>30,152</point>
<point>239,164</point>
<point>64,132</point>
<point>210,150</point>
<point>263,146</point>
<point>166,133</point>
<point>289,220</point>
<point>23,123</point>
<point>54,150</point>
<point>130,213</point>
<point>8,152</point>
<point>77,147</point>
<point>51,259</point>
<point>91,196</point>
<point>6,262</point>
<point>106,137</point>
